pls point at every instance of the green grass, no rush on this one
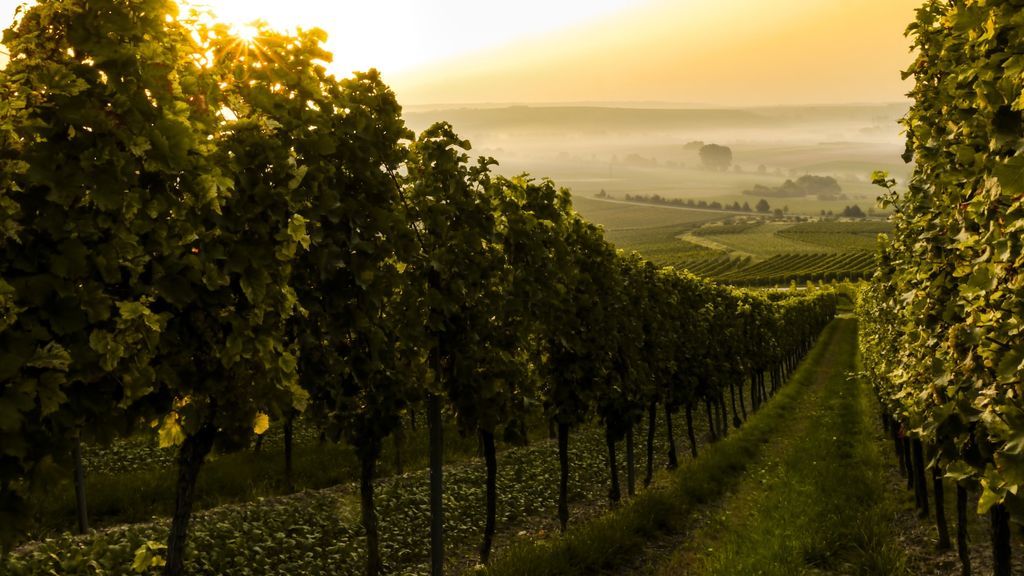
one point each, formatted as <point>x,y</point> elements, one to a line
<point>725,229</point>
<point>651,230</point>
<point>764,241</point>
<point>622,216</point>
<point>613,540</point>
<point>818,504</point>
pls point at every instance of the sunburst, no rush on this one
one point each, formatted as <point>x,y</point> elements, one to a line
<point>248,33</point>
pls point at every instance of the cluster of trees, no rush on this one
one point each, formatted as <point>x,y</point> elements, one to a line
<point>824,187</point>
<point>202,234</point>
<point>715,156</point>
<point>761,206</point>
<point>941,319</point>
<point>852,212</point>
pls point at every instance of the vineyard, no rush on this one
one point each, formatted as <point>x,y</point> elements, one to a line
<point>773,254</point>
<point>252,323</point>
<point>786,268</point>
<point>745,253</point>
<point>941,320</point>
<point>207,237</point>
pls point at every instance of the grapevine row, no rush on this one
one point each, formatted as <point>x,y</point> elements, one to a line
<point>941,320</point>
<point>202,234</point>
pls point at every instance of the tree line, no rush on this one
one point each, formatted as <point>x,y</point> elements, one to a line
<point>203,234</point>
<point>941,335</point>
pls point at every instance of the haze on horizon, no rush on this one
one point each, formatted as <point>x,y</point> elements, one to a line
<point>694,52</point>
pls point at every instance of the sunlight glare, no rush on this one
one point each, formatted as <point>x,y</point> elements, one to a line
<point>247,33</point>
<point>395,36</point>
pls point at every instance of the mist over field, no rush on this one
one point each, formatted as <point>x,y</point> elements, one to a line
<point>644,151</point>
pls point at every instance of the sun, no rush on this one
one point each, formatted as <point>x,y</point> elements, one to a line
<point>246,32</point>
<point>244,19</point>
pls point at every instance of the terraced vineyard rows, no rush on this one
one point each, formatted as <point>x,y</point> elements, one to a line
<point>800,268</point>
<point>745,252</point>
<point>838,235</point>
<point>823,251</point>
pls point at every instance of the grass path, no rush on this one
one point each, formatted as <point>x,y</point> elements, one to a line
<point>791,492</point>
<point>816,501</point>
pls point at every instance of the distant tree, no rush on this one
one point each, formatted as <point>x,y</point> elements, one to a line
<point>715,205</point>
<point>694,145</point>
<point>716,157</point>
<point>790,189</point>
<point>779,213</point>
<point>761,169</point>
<point>763,206</point>
<point>853,212</point>
<point>638,160</point>
<point>746,207</point>
<point>822,186</point>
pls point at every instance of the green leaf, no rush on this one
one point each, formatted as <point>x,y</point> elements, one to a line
<point>170,432</point>
<point>297,230</point>
<point>148,556</point>
<point>1011,176</point>
<point>261,423</point>
<point>52,356</point>
<point>287,362</point>
<point>1010,367</point>
<point>958,471</point>
<point>51,396</point>
<point>988,499</point>
<point>253,286</point>
<point>296,180</point>
<point>983,279</point>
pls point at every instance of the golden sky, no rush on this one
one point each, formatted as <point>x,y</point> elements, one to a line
<point>707,52</point>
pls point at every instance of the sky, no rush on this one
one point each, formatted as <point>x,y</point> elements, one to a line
<point>685,52</point>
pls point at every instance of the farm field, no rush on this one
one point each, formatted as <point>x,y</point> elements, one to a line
<point>749,251</point>
<point>642,151</point>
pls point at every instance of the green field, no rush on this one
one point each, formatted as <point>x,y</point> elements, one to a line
<point>740,250</point>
